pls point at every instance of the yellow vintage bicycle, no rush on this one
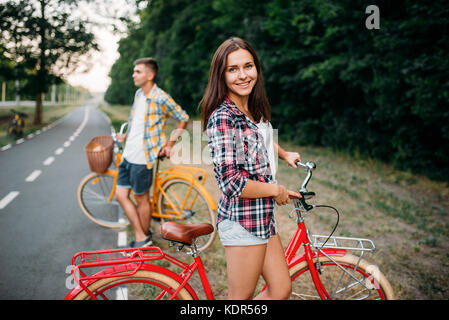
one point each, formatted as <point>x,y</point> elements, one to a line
<point>177,193</point>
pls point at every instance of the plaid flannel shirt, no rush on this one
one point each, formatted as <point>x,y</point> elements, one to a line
<point>238,154</point>
<point>160,106</point>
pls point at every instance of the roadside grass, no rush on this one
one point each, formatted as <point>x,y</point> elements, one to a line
<point>49,114</point>
<point>406,216</point>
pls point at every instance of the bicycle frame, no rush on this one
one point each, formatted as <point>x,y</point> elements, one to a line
<point>195,176</point>
<point>122,263</point>
<point>301,237</point>
<point>135,258</point>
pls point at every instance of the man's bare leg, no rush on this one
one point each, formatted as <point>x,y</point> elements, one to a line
<point>122,196</point>
<point>144,211</point>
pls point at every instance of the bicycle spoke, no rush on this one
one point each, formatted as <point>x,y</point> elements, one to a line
<point>94,196</point>
<point>182,201</point>
<point>341,279</point>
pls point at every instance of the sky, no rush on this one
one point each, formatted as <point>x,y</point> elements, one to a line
<point>97,79</point>
<point>100,12</point>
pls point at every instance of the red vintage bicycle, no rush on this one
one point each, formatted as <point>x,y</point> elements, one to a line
<point>329,267</point>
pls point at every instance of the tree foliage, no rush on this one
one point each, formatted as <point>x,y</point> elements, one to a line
<point>45,37</point>
<point>380,93</point>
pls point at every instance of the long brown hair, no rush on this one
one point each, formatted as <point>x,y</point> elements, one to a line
<point>217,90</point>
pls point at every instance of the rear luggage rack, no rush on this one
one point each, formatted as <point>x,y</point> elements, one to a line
<point>356,244</point>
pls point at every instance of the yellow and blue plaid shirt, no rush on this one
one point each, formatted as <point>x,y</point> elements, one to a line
<point>159,107</point>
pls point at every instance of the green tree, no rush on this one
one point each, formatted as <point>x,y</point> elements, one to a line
<point>180,35</point>
<point>46,37</point>
<point>380,93</point>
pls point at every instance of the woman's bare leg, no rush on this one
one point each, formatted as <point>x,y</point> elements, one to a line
<point>275,272</point>
<point>244,266</point>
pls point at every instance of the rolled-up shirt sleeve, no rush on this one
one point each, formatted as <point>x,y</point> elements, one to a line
<point>223,150</point>
<point>172,109</point>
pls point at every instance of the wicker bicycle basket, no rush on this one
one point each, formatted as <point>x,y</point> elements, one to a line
<point>99,153</point>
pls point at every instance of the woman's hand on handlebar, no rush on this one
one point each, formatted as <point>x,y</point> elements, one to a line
<point>291,158</point>
<point>284,195</point>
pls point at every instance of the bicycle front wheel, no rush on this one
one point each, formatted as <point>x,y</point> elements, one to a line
<point>98,203</point>
<point>183,202</point>
<point>344,278</point>
<point>146,285</point>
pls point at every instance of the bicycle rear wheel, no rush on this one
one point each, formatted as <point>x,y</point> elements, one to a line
<point>147,285</point>
<point>186,204</point>
<point>345,278</point>
<point>94,193</point>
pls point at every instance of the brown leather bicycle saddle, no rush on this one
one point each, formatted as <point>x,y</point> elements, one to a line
<point>185,233</point>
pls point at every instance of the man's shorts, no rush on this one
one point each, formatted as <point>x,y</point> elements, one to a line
<point>134,176</point>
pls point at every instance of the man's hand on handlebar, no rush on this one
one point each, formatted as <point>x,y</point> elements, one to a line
<point>165,152</point>
<point>121,137</point>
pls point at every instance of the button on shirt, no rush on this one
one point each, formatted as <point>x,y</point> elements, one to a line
<point>238,153</point>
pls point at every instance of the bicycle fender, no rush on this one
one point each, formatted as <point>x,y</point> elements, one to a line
<point>125,268</point>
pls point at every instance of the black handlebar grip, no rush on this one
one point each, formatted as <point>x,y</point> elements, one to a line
<point>306,206</point>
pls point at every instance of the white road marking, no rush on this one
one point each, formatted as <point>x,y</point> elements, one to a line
<point>121,242</point>
<point>122,239</point>
<point>121,293</point>
<point>33,176</point>
<point>6,147</point>
<point>9,197</point>
<point>30,135</point>
<point>67,144</point>
<point>20,141</point>
<point>59,151</point>
<point>48,161</point>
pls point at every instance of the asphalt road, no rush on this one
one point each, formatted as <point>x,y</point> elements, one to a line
<point>41,224</point>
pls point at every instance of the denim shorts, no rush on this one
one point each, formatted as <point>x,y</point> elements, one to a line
<point>233,234</point>
<point>134,176</point>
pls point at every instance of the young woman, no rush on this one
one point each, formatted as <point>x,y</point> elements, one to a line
<point>236,116</point>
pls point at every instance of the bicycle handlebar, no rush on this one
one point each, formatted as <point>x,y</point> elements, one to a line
<point>309,166</point>
<point>122,127</point>
<point>114,135</point>
<point>301,203</point>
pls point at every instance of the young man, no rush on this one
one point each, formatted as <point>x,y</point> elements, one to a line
<point>145,140</point>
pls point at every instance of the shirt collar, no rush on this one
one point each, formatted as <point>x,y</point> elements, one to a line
<point>228,103</point>
<point>152,92</point>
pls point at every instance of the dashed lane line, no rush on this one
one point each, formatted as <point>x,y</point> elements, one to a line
<point>48,161</point>
<point>33,175</point>
<point>6,147</point>
<point>36,173</point>
<point>8,198</point>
